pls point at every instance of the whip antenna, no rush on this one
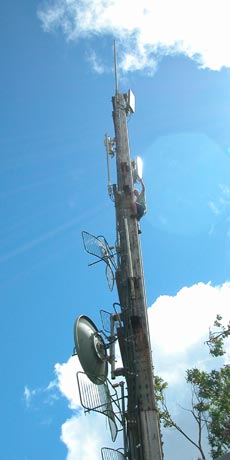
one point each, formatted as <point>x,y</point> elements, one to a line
<point>115,67</point>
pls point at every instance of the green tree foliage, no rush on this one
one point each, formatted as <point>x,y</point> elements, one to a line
<point>210,399</point>
<point>216,337</point>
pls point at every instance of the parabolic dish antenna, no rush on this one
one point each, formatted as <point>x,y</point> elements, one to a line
<point>91,349</point>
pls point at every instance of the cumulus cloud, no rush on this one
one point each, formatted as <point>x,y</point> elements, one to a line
<point>67,382</point>
<point>84,436</point>
<point>179,322</point>
<point>147,29</point>
<point>178,328</point>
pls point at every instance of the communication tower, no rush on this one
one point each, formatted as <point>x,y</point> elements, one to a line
<point>129,402</point>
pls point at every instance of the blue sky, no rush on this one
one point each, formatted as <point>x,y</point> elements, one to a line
<point>56,89</point>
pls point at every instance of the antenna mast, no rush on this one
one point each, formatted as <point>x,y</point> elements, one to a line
<point>144,438</point>
<point>138,415</point>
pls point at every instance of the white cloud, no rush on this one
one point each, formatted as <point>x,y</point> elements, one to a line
<point>28,395</point>
<point>96,63</point>
<point>179,322</point>
<point>148,29</point>
<point>84,436</point>
<point>178,328</point>
<point>48,395</point>
<point>31,395</point>
<point>67,381</point>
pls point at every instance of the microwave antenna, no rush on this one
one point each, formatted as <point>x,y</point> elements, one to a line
<point>130,404</point>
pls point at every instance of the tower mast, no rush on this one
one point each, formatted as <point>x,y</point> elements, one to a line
<point>143,430</point>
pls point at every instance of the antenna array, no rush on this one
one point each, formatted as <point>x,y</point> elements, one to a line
<point>129,404</point>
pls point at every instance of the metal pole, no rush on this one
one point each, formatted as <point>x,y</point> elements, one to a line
<point>142,414</point>
<point>115,67</point>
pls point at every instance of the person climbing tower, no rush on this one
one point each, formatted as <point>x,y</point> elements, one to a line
<point>138,203</point>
